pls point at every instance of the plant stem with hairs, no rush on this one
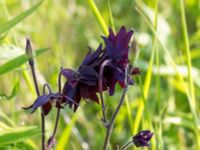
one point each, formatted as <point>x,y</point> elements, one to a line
<point>114,115</point>
<point>51,140</point>
<point>31,63</point>
<point>103,107</point>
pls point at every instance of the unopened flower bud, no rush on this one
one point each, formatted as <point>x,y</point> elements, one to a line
<point>142,138</point>
<point>29,51</point>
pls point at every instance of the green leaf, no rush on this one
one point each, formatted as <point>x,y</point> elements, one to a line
<point>20,145</point>
<point>13,93</point>
<point>10,135</point>
<point>11,23</point>
<point>18,61</point>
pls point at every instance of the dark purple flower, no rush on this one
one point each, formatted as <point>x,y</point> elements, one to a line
<point>82,83</point>
<point>142,138</point>
<point>94,59</point>
<point>46,101</point>
<point>116,50</point>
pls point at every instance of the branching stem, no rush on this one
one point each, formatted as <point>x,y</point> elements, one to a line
<point>103,107</point>
<point>114,115</point>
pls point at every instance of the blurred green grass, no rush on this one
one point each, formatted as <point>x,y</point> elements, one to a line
<point>165,96</point>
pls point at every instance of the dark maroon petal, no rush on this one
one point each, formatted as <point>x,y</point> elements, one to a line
<point>118,45</point>
<point>72,76</point>
<point>40,101</point>
<point>77,99</point>
<point>92,57</point>
<point>58,105</point>
<point>89,93</point>
<point>111,35</point>
<point>43,100</point>
<point>121,35</point>
<point>109,46</point>
<point>68,73</point>
<point>120,78</point>
<point>69,91</point>
<point>135,71</point>
<point>88,75</point>
<point>72,95</point>
<point>112,86</point>
<point>129,35</point>
<point>46,108</point>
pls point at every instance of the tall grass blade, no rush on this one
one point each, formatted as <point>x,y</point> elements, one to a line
<point>98,16</point>
<point>13,135</point>
<point>111,21</point>
<point>63,140</point>
<point>189,67</point>
<point>18,61</point>
<point>11,23</point>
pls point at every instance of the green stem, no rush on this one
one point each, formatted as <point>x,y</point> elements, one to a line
<point>31,63</point>
<point>114,115</point>
<point>125,146</point>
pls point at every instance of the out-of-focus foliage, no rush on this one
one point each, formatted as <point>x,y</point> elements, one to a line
<point>164,99</point>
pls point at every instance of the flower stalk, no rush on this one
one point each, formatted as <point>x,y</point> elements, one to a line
<point>114,115</point>
<point>103,107</point>
<point>125,146</point>
<point>29,53</point>
<point>51,141</point>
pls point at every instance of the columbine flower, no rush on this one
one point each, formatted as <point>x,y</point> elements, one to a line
<point>46,101</point>
<point>83,83</point>
<point>142,138</point>
<point>116,50</point>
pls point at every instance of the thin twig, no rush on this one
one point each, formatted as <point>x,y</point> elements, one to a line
<point>103,107</point>
<point>52,138</point>
<point>125,146</point>
<point>31,63</point>
<point>114,115</point>
<point>46,85</point>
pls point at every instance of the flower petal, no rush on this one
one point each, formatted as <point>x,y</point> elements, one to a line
<point>88,75</point>
<point>41,100</point>
<point>72,76</point>
<point>46,108</point>
<point>92,57</point>
<point>89,93</point>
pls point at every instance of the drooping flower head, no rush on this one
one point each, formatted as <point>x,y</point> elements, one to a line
<point>83,83</point>
<point>99,71</point>
<point>45,101</point>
